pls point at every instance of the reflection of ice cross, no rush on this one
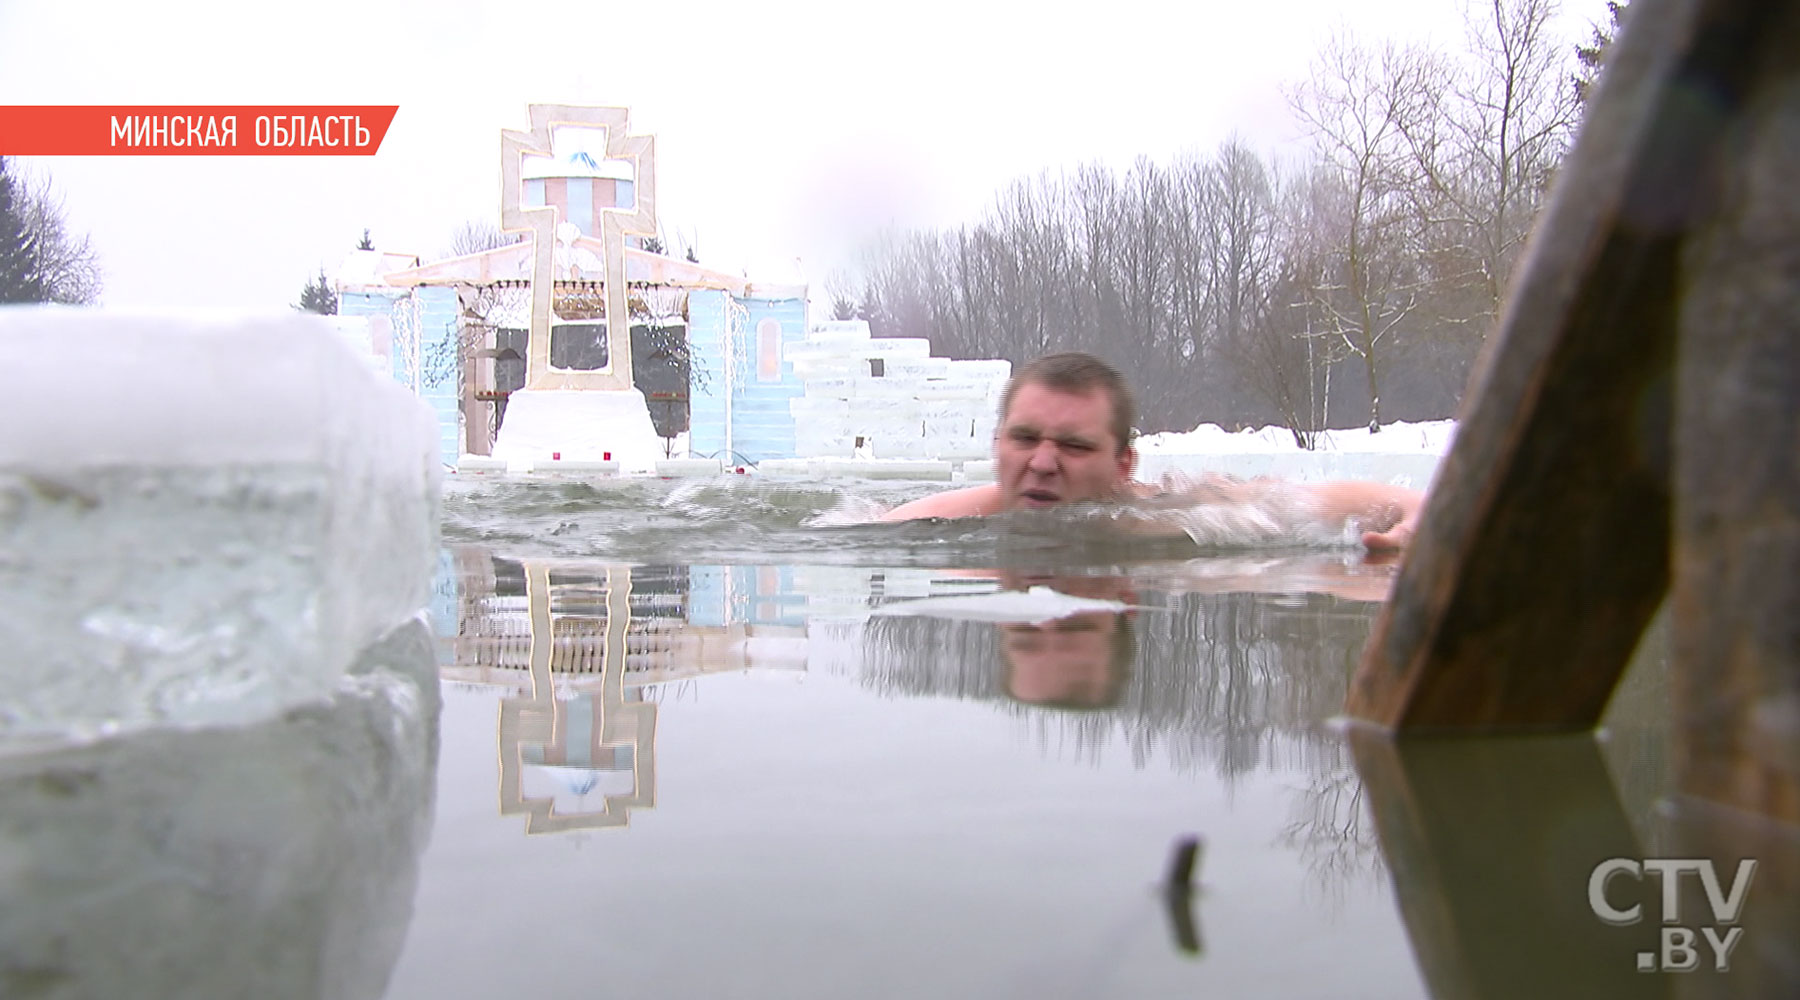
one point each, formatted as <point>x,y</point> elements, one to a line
<point>541,221</point>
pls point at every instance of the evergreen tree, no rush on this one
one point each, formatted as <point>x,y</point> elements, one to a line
<point>40,260</point>
<point>654,245</point>
<point>1591,54</point>
<point>366,244</point>
<point>318,297</point>
<point>20,279</point>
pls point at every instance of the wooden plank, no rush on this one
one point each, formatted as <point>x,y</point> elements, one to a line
<point>1491,844</point>
<point>1736,588</point>
<point>1544,547</point>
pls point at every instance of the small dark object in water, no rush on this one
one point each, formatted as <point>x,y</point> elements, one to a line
<point>1179,890</point>
<point>1182,863</point>
<point>56,491</point>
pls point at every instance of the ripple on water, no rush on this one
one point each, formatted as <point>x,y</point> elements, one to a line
<point>751,520</point>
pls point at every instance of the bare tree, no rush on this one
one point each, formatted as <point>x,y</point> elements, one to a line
<point>1270,258</point>
<point>1229,290</point>
<point>905,291</point>
<point>1026,221</point>
<point>1486,151</point>
<point>476,236</point>
<point>1190,305</point>
<point>1358,106</point>
<point>840,289</point>
<point>1142,278</point>
<point>1095,300</point>
<point>1241,240</point>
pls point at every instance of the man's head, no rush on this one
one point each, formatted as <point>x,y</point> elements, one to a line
<point>1065,432</point>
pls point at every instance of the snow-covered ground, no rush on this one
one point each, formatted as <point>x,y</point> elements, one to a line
<point>1430,438</point>
<point>1404,454</point>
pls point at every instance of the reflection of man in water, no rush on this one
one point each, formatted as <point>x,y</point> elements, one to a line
<point>1081,661</point>
<point>1065,435</point>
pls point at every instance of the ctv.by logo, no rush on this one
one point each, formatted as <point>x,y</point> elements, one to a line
<point>1678,953</point>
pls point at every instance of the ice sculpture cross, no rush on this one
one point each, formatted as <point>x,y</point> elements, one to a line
<point>541,222</point>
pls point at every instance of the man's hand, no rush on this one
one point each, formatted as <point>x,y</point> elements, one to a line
<point>1394,531</point>
<point>1390,513</point>
<point>1395,538</point>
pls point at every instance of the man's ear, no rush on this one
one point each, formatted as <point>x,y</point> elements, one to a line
<point>1127,463</point>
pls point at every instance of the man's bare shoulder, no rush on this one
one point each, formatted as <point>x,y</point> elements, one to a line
<point>972,501</point>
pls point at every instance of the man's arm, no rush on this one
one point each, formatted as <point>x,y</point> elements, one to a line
<point>1390,512</point>
<point>972,501</point>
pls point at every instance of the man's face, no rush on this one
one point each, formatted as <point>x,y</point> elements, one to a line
<point>1055,446</point>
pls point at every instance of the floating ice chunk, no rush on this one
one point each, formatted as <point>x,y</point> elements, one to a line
<point>203,518</point>
<point>1031,607</point>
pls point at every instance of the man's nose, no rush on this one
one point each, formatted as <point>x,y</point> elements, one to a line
<point>1044,457</point>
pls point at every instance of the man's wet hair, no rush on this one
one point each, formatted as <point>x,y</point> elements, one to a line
<point>1078,372</point>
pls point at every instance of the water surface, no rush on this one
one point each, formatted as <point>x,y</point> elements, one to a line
<point>780,795</point>
<point>679,755</point>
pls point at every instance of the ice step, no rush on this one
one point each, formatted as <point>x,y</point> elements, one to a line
<point>580,425</point>
<point>574,467</point>
<point>480,465</point>
<point>679,468</point>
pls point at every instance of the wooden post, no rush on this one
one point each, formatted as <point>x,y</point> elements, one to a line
<point>1736,596</point>
<point>477,362</point>
<point>1545,545</point>
<point>1491,844</point>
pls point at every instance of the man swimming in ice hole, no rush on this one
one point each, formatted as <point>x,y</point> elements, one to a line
<point>1065,435</point>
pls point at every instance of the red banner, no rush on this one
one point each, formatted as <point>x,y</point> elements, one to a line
<point>96,130</point>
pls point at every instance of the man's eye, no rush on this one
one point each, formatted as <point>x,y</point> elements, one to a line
<point>1077,446</point>
<point>1025,438</point>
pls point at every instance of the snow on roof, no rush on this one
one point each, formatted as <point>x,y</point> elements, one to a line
<point>362,268</point>
<point>578,163</point>
<point>513,263</point>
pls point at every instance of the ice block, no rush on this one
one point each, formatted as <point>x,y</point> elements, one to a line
<point>203,518</point>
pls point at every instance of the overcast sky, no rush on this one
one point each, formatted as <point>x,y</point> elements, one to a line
<point>784,130</point>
